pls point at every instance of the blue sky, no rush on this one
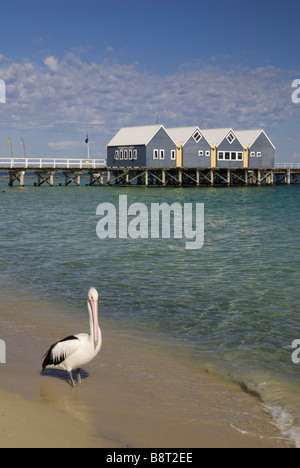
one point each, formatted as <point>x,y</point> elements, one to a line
<point>73,66</point>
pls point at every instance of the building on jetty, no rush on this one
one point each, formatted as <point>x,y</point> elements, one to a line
<point>157,156</point>
<point>155,146</point>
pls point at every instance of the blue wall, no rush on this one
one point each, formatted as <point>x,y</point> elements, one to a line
<point>160,141</point>
<point>191,156</point>
<point>235,146</point>
<point>263,145</point>
<point>139,162</point>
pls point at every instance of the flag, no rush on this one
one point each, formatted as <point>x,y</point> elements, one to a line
<point>10,146</point>
<point>23,146</point>
<point>87,139</point>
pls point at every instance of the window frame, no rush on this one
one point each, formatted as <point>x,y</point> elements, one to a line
<point>227,156</point>
<point>197,136</point>
<point>230,137</point>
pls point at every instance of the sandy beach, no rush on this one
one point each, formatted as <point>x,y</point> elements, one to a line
<point>27,424</point>
<point>135,394</point>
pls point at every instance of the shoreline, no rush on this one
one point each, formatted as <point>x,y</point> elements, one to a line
<point>137,394</point>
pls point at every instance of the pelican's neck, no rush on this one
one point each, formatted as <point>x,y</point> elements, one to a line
<point>93,319</point>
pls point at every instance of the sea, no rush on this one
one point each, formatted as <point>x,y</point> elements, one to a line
<point>231,307</point>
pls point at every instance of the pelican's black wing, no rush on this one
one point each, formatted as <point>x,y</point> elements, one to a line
<point>53,358</point>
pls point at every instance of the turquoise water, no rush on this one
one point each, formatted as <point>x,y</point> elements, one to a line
<point>231,307</point>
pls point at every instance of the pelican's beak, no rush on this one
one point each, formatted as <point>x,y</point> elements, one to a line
<point>94,307</point>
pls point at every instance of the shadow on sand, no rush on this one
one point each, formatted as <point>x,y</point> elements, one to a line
<point>63,375</point>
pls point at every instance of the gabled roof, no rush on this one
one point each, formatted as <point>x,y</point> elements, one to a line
<point>216,135</point>
<point>134,135</point>
<point>248,137</point>
<point>182,134</point>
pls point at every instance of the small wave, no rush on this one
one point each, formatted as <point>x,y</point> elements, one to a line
<point>285,423</point>
<point>280,417</point>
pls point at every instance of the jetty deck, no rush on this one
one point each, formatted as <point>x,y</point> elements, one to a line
<point>45,170</point>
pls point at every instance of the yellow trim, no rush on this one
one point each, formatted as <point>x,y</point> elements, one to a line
<point>179,155</point>
<point>213,162</point>
<point>246,157</point>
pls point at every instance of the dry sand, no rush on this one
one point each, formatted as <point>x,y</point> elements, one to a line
<point>27,424</point>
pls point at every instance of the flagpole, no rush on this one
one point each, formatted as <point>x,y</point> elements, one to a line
<point>87,141</point>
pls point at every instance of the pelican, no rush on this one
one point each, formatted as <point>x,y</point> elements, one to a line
<point>76,351</point>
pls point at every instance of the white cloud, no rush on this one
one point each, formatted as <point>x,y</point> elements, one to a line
<point>63,145</point>
<point>71,96</point>
<point>52,63</point>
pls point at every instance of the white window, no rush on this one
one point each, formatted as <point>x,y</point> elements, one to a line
<point>258,154</point>
<point>117,154</point>
<point>252,154</point>
<point>207,153</point>
<point>125,154</point>
<point>155,154</point>
<point>197,136</point>
<point>121,154</point>
<point>173,155</point>
<point>230,137</point>
<point>161,154</point>
<point>230,156</point>
<point>200,153</point>
<point>135,154</point>
<point>130,154</point>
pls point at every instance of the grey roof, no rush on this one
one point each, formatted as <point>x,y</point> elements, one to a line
<point>216,135</point>
<point>182,134</point>
<point>134,135</point>
<point>248,137</point>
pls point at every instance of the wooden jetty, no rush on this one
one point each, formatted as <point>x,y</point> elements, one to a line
<point>45,169</point>
<point>72,170</point>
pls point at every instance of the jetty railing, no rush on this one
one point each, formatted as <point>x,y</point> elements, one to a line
<point>52,163</point>
<point>287,165</point>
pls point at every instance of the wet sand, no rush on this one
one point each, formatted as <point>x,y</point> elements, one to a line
<point>135,394</point>
<point>27,424</point>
